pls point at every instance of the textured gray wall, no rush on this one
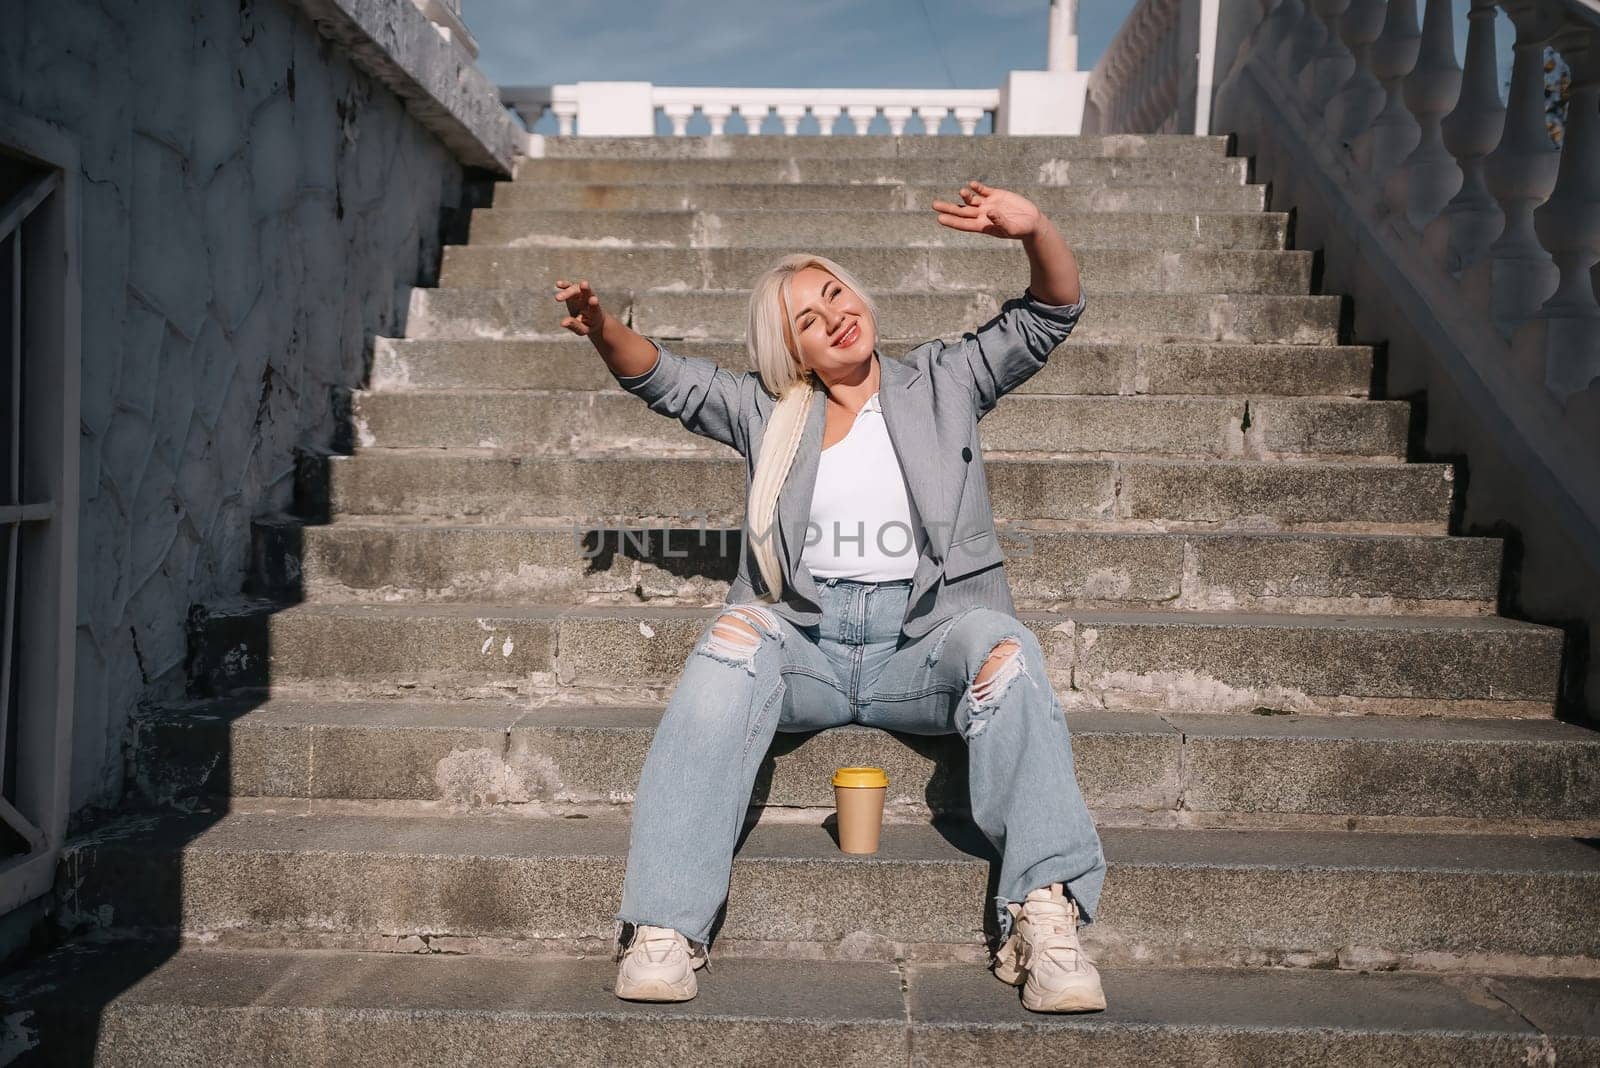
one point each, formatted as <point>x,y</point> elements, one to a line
<point>254,211</point>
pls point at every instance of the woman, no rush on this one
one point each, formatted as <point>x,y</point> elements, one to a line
<point>892,610</point>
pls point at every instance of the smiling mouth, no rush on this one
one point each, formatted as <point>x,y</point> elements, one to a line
<point>848,337</point>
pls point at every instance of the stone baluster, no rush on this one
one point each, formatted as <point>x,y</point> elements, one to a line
<point>1423,183</point>
<point>967,117</point>
<point>1357,101</point>
<point>1393,133</point>
<point>566,113</point>
<point>754,115</point>
<point>679,115</point>
<point>1273,31</point>
<point>862,115</point>
<point>827,116</point>
<point>931,116</point>
<point>1301,41</point>
<point>1517,275</point>
<point>790,115</point>
<point>1459,237</point>
<point>1329,65</point>
<point>717,116</point>
<point>1261,46</point>
<point>897,115</point>
<point>1569,224</point>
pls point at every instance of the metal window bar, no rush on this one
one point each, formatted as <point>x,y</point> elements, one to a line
<point>13,510</point>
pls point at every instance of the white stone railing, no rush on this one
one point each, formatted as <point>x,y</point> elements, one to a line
<point>1159,72</point>
<point>1484,190</point>
<point>635,105</point>
<point>1467,235</point>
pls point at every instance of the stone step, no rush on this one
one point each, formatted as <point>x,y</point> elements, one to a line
<point>1009,149</point>
<point>1173,661</point>
<point>359,558</point>
<point>1095,367</point>
<point>1321,899</point>
<point>1131,494</point>
<point>791,229</point>
<point>569,422</point>
<point>113,1004</point>
<point>934,270</point>
<point>1088,171</point>
<point>694,195</point>
<point>1134,768</point>
<point>1146,317</point>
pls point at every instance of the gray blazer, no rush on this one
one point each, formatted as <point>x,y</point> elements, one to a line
<point>932,400</point>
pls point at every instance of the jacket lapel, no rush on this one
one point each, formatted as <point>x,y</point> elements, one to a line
<point>912,433</point>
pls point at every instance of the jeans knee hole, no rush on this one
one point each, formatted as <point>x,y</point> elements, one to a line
<point>735,636</point>
<point>986,695</point>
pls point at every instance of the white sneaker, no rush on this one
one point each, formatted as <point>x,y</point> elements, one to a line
<point>658,966</point>
<point>1044,957</point>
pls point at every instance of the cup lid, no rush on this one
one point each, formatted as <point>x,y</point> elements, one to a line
<point>865,777</point>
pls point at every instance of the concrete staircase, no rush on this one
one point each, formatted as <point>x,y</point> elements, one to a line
<point>1343,821</point>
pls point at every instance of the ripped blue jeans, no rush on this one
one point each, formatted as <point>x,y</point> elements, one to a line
<point>741,684</point>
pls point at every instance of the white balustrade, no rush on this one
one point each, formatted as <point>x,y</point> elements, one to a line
<point>1160,72</point>
<point>631,108</point>
<point>1487,196</point>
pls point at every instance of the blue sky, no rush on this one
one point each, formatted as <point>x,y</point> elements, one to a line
<point>926,44</point>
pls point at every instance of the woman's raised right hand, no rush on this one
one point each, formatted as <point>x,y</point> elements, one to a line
<point>582,303</point>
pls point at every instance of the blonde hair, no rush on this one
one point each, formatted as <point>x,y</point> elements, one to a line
<point>774,356</point>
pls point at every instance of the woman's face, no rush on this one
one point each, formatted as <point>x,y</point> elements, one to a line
<point>832,328</point>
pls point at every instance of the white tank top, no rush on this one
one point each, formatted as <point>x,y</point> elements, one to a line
<point>863,523</point>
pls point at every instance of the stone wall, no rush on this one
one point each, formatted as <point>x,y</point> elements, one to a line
<point>255,210</point>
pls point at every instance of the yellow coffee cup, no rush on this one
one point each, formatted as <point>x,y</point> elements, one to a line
<point>858,794</point>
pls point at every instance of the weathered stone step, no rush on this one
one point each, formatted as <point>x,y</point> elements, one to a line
<point>935,270</point>
<point>1081,171</point>
<point>1177,661</point>
<point>113,1004</point>
<point>1147,317</point>
<point>1011,149</point>
<point>1133,767</point>
<point>790,229</point>
<point>695,195</point>
<point>574,422</point>
<point>1191,896</point>
<point>364,558</point>
<point>1145,494</point>
<point>1092,367</point>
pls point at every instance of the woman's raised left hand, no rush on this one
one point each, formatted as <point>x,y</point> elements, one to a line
<point>987,210</point>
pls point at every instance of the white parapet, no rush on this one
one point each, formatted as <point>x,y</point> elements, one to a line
<point>616,109</point>
<point>628,109</point>
<point>1042,102</point>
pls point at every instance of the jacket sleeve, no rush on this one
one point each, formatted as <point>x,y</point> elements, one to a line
<point>1009,349</point>
<point>706,398</point>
